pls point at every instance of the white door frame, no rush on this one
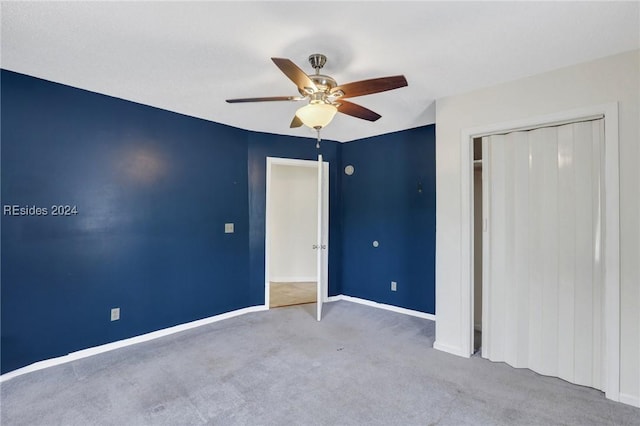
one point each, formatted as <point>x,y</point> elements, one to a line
<point>611,233</point>
<point>271,161</point>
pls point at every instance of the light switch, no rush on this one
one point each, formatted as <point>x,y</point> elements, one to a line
<point>228,228</point>
<point>115,314</point>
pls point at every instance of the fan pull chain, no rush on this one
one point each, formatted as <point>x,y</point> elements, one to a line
<point>318,142</point>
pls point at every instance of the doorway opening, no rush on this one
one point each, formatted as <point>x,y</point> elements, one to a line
<point>478,229</point>
<point>296,219</point>
<point>608,199</point>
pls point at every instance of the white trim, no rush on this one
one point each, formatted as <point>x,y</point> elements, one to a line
<point>267,273</point>
<point>384,306</point>
<point>84,353</point>
<point>555,119</point>
<point>300,280</point>
<point>523,125</point>
<point>633,400</point>
<point>466,253</point>
<point>612,252</point>
<point>294,162</point>
<point>612,229</point>
<point>454,350</point>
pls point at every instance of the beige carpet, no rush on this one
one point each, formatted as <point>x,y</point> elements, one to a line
<point>287,294</point>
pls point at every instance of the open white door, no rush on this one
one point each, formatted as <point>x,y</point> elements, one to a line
<point>320,244</point>
<point>320,239</point>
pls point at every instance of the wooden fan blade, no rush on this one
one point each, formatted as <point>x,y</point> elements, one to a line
<point>268,99</point>
<point>374,85</point>
<point>296,122</point>
<point>357,111</point>
<point>295,74</point>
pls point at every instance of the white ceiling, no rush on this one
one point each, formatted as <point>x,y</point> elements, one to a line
<point>189,57</point>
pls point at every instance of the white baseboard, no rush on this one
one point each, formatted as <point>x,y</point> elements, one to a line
<point>126,342</point>
<point>454,350</point>
<point>625,398</point>
<point>84,353</point>
<point>311,279</point>
<point>398,309</point>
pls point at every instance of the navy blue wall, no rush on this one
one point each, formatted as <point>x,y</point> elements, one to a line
<point>263,145</point>
<point>391,199</point>
<point>153,190</point>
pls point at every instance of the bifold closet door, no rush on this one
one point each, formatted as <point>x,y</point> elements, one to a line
<point>543,279</point>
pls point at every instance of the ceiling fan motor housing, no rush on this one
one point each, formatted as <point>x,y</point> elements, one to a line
<point>323,83</point>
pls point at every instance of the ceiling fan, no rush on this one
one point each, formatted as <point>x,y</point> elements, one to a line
<point>324,94</point>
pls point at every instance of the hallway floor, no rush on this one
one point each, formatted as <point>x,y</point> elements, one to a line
<point>287,294</point>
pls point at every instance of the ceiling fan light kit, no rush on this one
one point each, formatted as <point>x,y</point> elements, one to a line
<point>317,115</point>
<point>324,95</point>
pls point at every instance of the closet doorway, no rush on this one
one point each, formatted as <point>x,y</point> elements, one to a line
<point>296,242</point>
<point>478,230</point>
<point>550,237</point>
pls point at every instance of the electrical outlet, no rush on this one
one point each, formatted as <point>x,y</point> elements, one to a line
<point>394,286</point>
<point>228,228</point>
<point>115,314</point>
